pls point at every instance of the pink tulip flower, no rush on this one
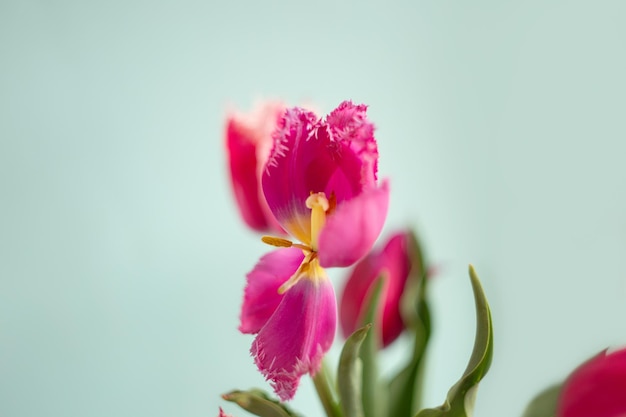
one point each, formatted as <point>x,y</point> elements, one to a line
<point>320,183</point>
<point>597,388</point>
<point>393,262</point>
<point>248,144</point>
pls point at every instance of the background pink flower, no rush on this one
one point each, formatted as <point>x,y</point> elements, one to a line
<point>393,262</point>
<point>249,141</point>
<point>597,388</point>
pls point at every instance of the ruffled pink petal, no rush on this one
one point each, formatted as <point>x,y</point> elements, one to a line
<point>337,157</point>
<point>394,263</point>
<point>261,296</point>
<point>296,337</point>
<point>348,123</point>
<point>597,388</point>
<point>353,227</point>
<point>248,144</point>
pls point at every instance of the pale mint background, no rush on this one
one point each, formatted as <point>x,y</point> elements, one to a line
<point>501,125</point>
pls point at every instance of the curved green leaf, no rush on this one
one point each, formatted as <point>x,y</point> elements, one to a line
<point>460,399</point>
<point>349,374</point>
<point>259,403</point>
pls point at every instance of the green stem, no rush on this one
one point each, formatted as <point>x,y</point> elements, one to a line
<point>326,392</point>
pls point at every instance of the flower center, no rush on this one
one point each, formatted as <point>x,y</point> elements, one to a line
<point>310,266</point>
<point>320,206</point>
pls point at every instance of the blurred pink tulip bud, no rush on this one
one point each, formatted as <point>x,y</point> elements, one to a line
<point>249,141</point>
<point>394,263</point>
<point>597,388</point>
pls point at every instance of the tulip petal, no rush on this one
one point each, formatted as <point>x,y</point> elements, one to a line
<point>261,296</point>
<point>337,157</point>
<point>296,337</point>
<point>353,228</point>
<point>596,388</point>
<point>248,144</point>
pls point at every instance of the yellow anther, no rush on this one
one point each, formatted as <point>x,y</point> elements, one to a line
<point>277,241</point>
<point>280,242</point>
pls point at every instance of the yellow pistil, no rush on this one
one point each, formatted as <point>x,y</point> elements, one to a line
<point>318,203</point>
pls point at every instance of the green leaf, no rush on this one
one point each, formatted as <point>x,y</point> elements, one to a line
<point>460,400</point>
<point>405,389</point>
<point>349,374</point>
<point>544,404</point>
<point>259,403</point>
<point>373,394</point>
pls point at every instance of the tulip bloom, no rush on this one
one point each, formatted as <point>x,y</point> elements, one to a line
<point>597,388</point>
<point>248,144</point>
<point>320,184</point>
<point>393,262</point>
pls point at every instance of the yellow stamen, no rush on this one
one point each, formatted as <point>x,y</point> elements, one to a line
<point>309,269</point>
<point>294,278</point>
<point>318,203</point>
<point>300,272</point>
<point>316,272</point>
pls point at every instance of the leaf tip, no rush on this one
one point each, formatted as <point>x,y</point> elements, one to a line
<point>472,271</point>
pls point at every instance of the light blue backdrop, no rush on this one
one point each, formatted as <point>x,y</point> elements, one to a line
<point>500,124</point>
